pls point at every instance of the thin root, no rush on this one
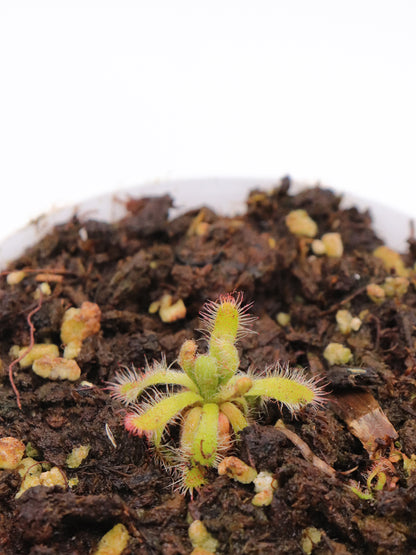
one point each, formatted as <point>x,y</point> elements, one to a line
<point>27,351</point>
<point>305,450</point>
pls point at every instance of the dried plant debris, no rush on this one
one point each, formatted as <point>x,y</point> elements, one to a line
<point>94,300</point>
<point>366,420</point>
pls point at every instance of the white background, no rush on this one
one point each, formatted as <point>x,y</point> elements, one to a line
<point>96,96</point>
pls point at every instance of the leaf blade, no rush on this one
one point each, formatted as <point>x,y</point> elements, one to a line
<point>160,412</point>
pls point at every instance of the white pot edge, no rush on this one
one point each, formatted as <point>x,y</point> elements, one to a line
<point>225,195</point>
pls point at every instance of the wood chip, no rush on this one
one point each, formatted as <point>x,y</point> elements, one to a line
<point>365,419</point>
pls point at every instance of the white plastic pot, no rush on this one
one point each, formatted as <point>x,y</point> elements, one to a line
<point>225,195</point>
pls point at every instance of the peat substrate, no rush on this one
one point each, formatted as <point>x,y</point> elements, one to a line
<point>365,431</point>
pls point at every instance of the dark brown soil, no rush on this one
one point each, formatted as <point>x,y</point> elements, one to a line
<point>124,267</point>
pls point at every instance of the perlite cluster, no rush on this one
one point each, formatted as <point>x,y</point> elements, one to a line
<point>14,455</point>
<point>212,399</point>
<point>44,358</point>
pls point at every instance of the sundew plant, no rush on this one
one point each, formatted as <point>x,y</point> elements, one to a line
<point>213,399</point>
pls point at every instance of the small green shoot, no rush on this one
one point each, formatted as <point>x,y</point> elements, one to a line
<point>213,400</point>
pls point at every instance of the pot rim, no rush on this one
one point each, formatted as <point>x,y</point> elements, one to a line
<point>226,195</point>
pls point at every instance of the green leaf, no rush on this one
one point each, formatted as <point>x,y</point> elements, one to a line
<point>237,419</point>
<point>206,437</point>
<point>173,377</point>
<point>187,356</point>
<point>226,320</point>
<point>227,358</point>
<point>189,429</point>
<point>294,392</point>
<point>206,376</point>
<point>193,478</point>
<point>129,384</point>
<point>160,413</point>
<point>234,388</point>
<point>157,435</point>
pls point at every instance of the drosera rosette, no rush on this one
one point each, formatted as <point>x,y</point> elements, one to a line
<point>208,397</point>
